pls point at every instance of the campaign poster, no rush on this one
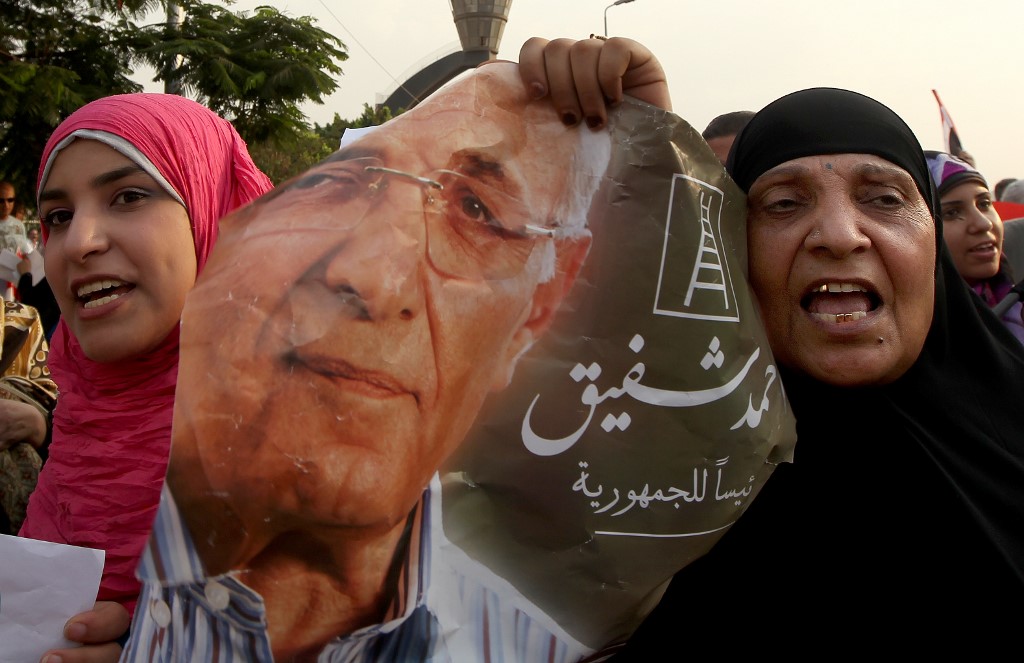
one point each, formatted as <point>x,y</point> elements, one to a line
<point>472,388</point>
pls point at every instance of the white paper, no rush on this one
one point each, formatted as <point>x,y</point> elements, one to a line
<point>42,585</point>
<point>9,266</point>
<point>352,134</point>
<point>38,271</point>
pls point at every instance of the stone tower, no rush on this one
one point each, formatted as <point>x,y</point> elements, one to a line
<point>480,24</point>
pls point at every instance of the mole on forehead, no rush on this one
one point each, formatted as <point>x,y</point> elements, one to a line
<point>828,166</point>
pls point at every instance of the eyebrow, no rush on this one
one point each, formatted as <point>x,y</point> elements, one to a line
<point>785,170</point>
<point>469,162</point>
<point>487,169</point>
<point>100,180</point>
<point>862,170</point>
<point>480,166</point>
<point>981,193</point>
<point>880,169</point>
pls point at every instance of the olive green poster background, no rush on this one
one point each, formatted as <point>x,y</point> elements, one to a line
<point>593,533</point>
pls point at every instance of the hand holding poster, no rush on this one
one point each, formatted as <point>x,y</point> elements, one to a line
<point>508,379</point>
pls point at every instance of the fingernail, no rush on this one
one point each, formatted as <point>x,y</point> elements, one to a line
<point>75,631</point>
<point>537,90</point>
<point>52,658</point>
<point>569,119</point>
<point>594,122</point>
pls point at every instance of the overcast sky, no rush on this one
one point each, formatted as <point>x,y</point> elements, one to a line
<point>724,55</point>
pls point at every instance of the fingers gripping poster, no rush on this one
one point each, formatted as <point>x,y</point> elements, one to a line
<point>473,388</point>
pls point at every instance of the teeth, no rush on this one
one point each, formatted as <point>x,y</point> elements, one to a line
<point>840,317</point>
<point>101,301</point>
<point>98,285</point>
<point>840,287</point>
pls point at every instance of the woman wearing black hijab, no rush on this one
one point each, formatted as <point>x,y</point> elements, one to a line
<point>900,520</point>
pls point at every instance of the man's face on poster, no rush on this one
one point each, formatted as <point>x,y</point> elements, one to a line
<point>350,324</point>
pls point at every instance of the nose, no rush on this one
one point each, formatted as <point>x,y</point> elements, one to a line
<point>382,258</point>
<point>979,221</point>
<point>837,229</point>
<point>86,235</point>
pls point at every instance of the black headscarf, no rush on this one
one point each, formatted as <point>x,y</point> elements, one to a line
<point>826,121</point>
<point>902,515</point>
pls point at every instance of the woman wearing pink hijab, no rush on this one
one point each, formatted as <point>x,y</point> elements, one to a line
<point>130,190</point>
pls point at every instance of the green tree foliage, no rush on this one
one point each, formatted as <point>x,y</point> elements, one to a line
<point>55,55</point>
<point>283,162</point>
<point>253,68</point>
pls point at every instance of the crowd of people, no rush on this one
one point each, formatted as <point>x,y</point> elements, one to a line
<point>28,394</point>
<point>885,280</point>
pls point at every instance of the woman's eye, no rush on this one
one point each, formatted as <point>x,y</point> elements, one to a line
<point>951,214</point>
<point>780,199</point>
<point>984,204</point>
<point>781,205</point>
<point>56,218</point>
<point>884,197</point>
<point>129,197</point>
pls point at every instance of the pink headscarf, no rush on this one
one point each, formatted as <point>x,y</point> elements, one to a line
<point>101,485</point>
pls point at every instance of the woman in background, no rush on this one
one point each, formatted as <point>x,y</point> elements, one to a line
<point>973,232</point>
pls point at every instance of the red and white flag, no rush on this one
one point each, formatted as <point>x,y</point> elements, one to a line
<point>953,145</point>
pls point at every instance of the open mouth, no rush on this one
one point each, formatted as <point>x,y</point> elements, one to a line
<point>98,293</point>
<point>987,247</point>
<point>840,302</point>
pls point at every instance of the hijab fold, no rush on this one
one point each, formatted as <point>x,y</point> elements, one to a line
<point>112,426</point>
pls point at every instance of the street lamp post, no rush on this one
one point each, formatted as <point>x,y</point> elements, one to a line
<point>617,2</point>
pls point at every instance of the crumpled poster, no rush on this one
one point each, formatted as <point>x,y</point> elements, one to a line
<point>472,388</point>
<point>652,412</point>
